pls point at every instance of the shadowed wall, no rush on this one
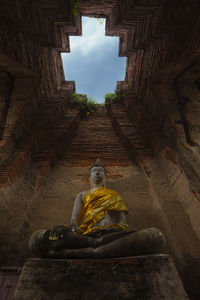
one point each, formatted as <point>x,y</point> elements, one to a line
<point>148,139</point>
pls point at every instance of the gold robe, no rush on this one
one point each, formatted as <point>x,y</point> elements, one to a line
<point>96,203</point>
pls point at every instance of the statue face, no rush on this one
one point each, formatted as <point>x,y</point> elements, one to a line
<point>97,176</point>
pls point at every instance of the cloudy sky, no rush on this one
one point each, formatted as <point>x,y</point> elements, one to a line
<point>93,61</point>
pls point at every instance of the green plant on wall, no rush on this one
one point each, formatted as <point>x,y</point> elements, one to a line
<point>75,5</point>
<point>87,104</point>
<point>100,20</point>
<point>111,97</point>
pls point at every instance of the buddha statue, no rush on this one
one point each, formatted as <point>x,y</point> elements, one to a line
<point>98,228</point>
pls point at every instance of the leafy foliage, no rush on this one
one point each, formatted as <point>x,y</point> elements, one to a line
<point>88,104</point>
<point>75,5</point>
<point>100,20</point>
<point>111,97</point>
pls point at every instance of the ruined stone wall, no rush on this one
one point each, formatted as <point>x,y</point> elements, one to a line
<point>149,141</point>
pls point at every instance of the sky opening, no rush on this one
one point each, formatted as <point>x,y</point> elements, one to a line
<point>93,62</point>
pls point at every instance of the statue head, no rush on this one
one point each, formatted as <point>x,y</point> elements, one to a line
<point>97,174</point>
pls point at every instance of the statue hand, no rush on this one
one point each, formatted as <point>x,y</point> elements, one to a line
<point>58,231</point>
<point>74,227</point>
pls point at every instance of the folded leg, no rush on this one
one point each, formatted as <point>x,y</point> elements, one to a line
<point>145,241</point>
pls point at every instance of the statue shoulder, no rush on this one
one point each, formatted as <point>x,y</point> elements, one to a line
<point>80,195</point>
<point>111,191</point>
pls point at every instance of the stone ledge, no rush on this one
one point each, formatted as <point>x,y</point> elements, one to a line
<point>151,277</point>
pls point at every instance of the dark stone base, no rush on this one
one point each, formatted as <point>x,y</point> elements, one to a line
<point>151,277</point>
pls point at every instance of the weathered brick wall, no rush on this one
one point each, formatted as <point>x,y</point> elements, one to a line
<point>157,167</point>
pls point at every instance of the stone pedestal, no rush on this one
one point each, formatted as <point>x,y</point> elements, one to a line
<point>151,277</point>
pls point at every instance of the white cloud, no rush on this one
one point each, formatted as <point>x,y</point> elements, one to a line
<point>93,62</point>
<point>92,39</point>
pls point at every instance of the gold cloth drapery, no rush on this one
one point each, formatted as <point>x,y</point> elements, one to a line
<point>96,203</point>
